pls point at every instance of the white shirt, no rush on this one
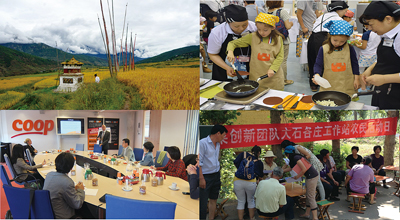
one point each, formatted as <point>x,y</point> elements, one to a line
<point>373,43</point>
<point>219,34</point>
<point>327,17</point>
<point>97,79</point>
<point>390,34</point>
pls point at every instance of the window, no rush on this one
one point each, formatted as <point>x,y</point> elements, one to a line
<point>68,80</point>
<point>146,124</point>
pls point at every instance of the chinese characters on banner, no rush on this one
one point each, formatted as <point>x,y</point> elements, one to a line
<point>268,134</point>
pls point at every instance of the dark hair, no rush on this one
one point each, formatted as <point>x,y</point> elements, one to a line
<point>174,152</point>
<point>126,140</point>
<point>320,157</point>
<point>355,147</point>
<point>331,47</point>
<point>324,152</point>
<point>364,18</point>
<point>210,14</point>
<point>17,152</point>
<point>274,34</point>
<point>64,162</point>
<point>292,163</point>
<point>95,74</point>
<point>274,4</point>
<point>376,147</point>
<point>250,1</point>
<point>256,150</point>
<point>218,128</point>
<point>367,160</point>
<point>149,146</point>
<point>286,143</point>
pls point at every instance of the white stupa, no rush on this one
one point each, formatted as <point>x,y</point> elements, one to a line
<point>72,77</point>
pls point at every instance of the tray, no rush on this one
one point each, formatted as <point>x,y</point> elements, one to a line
<point>241,100</point>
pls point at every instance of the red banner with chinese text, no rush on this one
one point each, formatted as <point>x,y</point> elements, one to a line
<point>268,134</point>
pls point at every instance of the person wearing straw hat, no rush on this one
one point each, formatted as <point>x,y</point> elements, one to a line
<point>269,163</point>
<point>266,51</point>
<point>236,26</point>
<point>383,18</point>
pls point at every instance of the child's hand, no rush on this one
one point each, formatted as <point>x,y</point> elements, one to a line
<point>230,56</point>
<point>313,79</point>
<point>230,72</point>
<point>270,73</point>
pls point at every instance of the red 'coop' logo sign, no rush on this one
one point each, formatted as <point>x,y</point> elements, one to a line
<point>32,127</point>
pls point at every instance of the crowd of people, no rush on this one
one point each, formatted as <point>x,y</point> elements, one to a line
<point>257,182</point>
<point>67,198</point>
<point>254,38</point>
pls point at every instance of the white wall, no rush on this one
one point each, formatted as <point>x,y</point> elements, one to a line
<point>54,141</point>
<point>138,132</point>
<point>173,127</point>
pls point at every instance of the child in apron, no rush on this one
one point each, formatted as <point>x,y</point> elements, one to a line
<point>337,60</point>
<point>266,52</point>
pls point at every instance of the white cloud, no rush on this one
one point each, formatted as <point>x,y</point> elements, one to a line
<point>160,25</point>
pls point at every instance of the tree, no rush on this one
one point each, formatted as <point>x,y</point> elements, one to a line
<point>390,141</point>
<point>276,148</point>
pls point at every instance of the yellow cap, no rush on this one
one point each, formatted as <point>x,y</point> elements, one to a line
<point>267,19</point>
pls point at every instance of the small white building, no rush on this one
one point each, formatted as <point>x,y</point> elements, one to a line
<point>72,77</point>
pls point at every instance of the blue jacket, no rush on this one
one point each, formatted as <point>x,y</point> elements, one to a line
<point>148,159</point>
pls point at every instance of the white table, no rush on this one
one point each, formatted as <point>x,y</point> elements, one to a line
<point>186,207</point>
<point>271,93</point>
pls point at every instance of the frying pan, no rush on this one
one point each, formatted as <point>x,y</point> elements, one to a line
<point>342,100</point>
<point>242,88</point>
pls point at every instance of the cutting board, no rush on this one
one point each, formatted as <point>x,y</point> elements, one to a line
<point>300,106</point>
<point>223,96</point>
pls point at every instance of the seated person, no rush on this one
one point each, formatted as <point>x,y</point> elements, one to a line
<point>127,152</point>
<point>353,159</point>
<point>175,165</point>
<point>333,166</point>
<point>271,198</point>
<point>331,186</point>
<point>65,197</point>
<point>360,179</point>
<point>377,164</point>
<point>269,163</point>
<point>148,154</point>
<point>29,146</point>
<point>21,167</point>
<point>193,177</point>
<point>325,159</point>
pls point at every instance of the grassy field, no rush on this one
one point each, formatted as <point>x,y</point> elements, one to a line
<point>164,85</point>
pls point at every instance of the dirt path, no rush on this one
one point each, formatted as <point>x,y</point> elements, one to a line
<point>127,105</point>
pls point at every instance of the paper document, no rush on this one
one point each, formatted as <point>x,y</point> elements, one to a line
<point>291,179</point>
<point>90,192</point>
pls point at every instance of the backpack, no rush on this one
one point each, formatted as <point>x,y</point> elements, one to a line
<point>280,26</point>
<point>246,168</point>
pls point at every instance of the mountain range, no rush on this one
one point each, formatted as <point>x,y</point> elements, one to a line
<point>18,59</point>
